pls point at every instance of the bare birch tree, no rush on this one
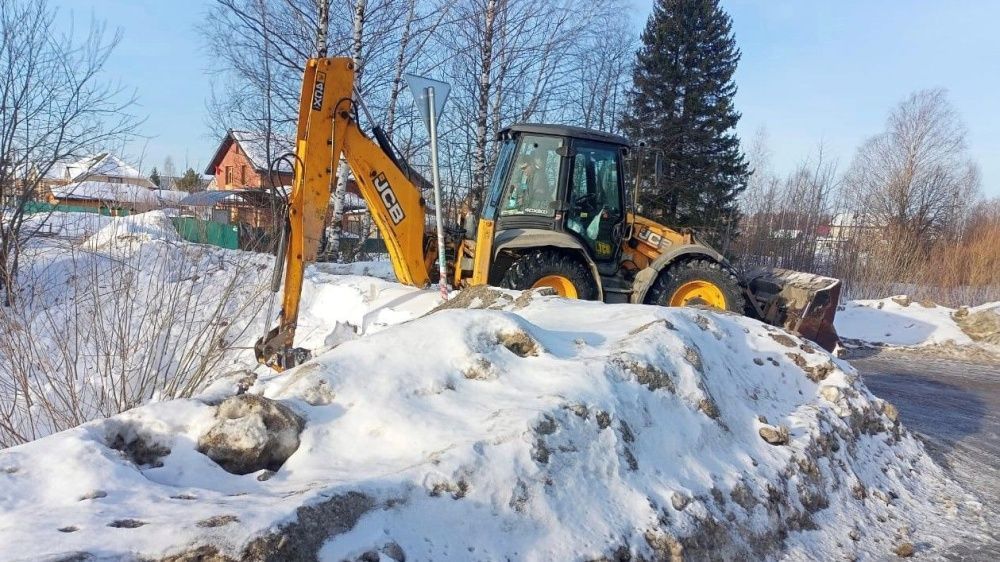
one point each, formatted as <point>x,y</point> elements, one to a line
<point>916,176</point>
<point>336,223</point>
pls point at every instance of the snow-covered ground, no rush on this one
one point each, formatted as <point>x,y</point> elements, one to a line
<point>901,322</point>
<point>506,427</point>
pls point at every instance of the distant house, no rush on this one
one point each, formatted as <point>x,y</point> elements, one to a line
<point>102,182</point>
<point>107,197</point>
<point>241,162</point>
<point>852,226</point>
<point>104,167</point>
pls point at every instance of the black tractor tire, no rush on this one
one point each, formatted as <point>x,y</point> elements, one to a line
<point>534,265</point>
<point>681,273</point>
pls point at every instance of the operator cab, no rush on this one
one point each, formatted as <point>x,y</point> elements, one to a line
<point>563,179</point>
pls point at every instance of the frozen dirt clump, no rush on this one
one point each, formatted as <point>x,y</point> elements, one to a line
<point>981,326</point>
<point>141,449</point>
<point>251,433</point>
<point>491,298</point>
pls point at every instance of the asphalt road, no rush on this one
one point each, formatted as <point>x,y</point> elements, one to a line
<point>955,407</point>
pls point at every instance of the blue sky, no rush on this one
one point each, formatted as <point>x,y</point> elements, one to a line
<point>811,71</point>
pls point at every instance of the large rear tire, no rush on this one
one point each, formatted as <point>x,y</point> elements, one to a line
<point>567,275</point>
<point>698,282</point>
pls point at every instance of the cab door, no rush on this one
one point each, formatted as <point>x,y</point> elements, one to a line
<point>594,199</point>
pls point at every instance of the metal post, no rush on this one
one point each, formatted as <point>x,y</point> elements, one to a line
<point>442,268</point>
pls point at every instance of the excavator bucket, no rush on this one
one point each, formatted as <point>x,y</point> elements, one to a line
<point>799,302</point>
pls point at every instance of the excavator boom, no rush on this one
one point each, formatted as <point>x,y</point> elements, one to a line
<point>327,129</point>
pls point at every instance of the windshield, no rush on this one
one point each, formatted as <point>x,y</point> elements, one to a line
<point>534,177</point>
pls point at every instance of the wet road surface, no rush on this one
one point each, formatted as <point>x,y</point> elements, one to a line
<point>955,407</point>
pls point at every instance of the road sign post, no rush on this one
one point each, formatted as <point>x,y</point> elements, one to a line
<point>430,96</point>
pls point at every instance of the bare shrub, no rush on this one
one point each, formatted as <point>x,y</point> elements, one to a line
<point>99,330</point>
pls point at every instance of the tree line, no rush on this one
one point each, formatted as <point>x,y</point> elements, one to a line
<point>910,192</point>
<point>905,215</point>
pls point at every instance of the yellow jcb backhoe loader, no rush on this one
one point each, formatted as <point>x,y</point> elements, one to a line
<point>555,216</point>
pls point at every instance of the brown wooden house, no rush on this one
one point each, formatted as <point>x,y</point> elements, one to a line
<point>242,161</point>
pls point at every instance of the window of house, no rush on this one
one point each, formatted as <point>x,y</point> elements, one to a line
<point>243,175</point>
<point>229,175</point>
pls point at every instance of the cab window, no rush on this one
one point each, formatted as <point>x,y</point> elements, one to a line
<point>534,178</point>
<point>595,196</point>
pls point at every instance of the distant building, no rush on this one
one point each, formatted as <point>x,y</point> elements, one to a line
<point>241,162</point>
<point>102,182</point>
<point>106,197</point>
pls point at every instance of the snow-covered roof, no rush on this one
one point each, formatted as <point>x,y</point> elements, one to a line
<point>255,146</point>
<point>111,165</point>
<point>106,191</point>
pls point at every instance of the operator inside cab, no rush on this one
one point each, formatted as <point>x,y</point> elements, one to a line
<point>535,178</point>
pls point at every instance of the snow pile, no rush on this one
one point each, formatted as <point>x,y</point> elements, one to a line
<point>528,429</point>
<point>154,225</point>
<point>67,225</point>
<point>902,322</point>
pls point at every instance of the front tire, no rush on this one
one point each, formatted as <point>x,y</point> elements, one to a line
<point>567,275</point>
<point>698,282</point>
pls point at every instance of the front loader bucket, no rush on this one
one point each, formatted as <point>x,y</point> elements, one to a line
<point>799,302</point>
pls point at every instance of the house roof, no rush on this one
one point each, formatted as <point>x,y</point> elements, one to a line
<point>254,197</point>
<point>111,165</point>
<point>167,196</point>
<point>106,191</point>
<point>255,146</point>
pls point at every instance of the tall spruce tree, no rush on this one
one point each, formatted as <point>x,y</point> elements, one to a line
<point>682,106</point>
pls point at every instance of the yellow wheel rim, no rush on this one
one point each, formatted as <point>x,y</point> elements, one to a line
<point>698,292</point>
<point>563,286</point>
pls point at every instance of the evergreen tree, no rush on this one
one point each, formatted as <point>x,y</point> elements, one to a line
<point>682,106</point>
<point>155,177</point>
<point>190,181</point>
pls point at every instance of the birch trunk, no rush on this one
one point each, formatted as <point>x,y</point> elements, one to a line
<point>482,108</point>
<point>397,78</point>
<point>336,222</point>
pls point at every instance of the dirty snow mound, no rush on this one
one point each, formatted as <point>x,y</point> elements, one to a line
<point>899,321</point>
<point>154,225</point>
<point>981,323</point>
<point>922,326</point>
<point>563,430</point>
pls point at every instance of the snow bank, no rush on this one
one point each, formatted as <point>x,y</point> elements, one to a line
<point>541,429</point>
<point>143,227</point>
<point>901,322</point>
<point>68,225</point>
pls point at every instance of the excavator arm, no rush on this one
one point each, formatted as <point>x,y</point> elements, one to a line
<point>327,129</point>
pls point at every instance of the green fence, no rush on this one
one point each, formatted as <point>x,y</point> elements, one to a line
<point>32,207</point>
<point>208,232</point>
